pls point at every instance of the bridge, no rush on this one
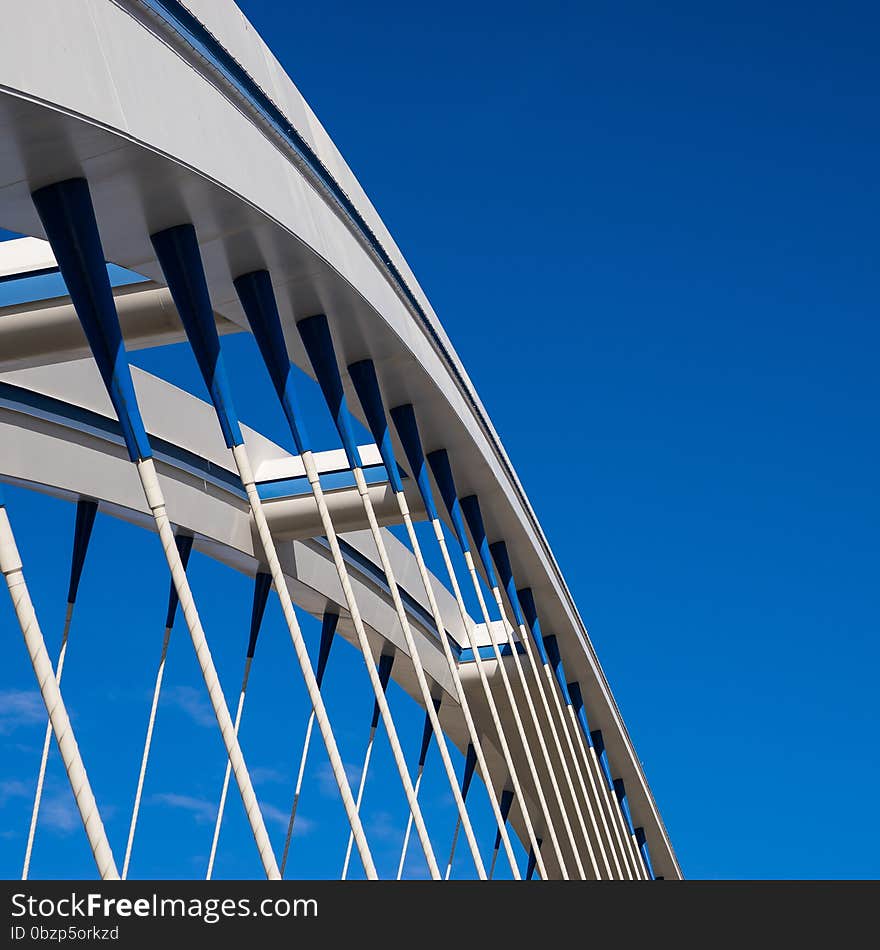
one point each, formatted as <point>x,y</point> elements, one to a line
<point>164,182</point>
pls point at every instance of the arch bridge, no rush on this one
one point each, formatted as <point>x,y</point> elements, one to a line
<point>164,183</point>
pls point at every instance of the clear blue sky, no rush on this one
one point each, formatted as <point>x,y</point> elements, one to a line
<point>651,234</point>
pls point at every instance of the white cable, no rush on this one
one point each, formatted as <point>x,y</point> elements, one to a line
<point>629,848</point>
<point>221,807</point>
<point>421,679</point>
<point>492,866</point>
<point>245,472</point>
<point>472,571</point>
<point>517,662</point>
<point>617,853</point>
<point>487,692</point>
<point>459,691</point>
<point>10,565</point>
<point>156,502</point>
<point>145,757</point>
<point>635,854</point>
<point>617,818</point>
<point>549,682</point>
<point>539,680</point>
<point>364,643</point>
<point>543,743</point>
<point>624,836</point>
<point>643,870</point>
<point>608,805</point>
<point>362,784</point>
<point>299,781</point>
<point>403,850</point>
<point>553,689</point>
<point>635,850</point>
<point>44,758</point>
<point>452,851</point>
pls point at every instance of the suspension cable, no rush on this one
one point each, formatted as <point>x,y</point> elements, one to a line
<point>184,544</point>
<point>262,585</point>
<point>328,629</point>
<point>68,219</point>
<point>82,532</point>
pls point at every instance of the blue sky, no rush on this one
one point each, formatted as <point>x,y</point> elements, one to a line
<point>651,235</point>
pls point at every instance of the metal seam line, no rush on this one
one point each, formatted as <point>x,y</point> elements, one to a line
<point>68,218</point>
<point>184,544</point>
<point>262,586</point>
<point>82,532</point>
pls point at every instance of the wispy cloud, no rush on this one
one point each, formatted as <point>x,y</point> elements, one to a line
<point>327,780</point>
<point>415,867</point>
<point>265,775</point>
<point>14,788</point>
<point>382,826</point>
<point>280,817</point>
<point>20,707</point>
<point>58,811</point>
<point>202,810</point>
<point>192,702</point>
